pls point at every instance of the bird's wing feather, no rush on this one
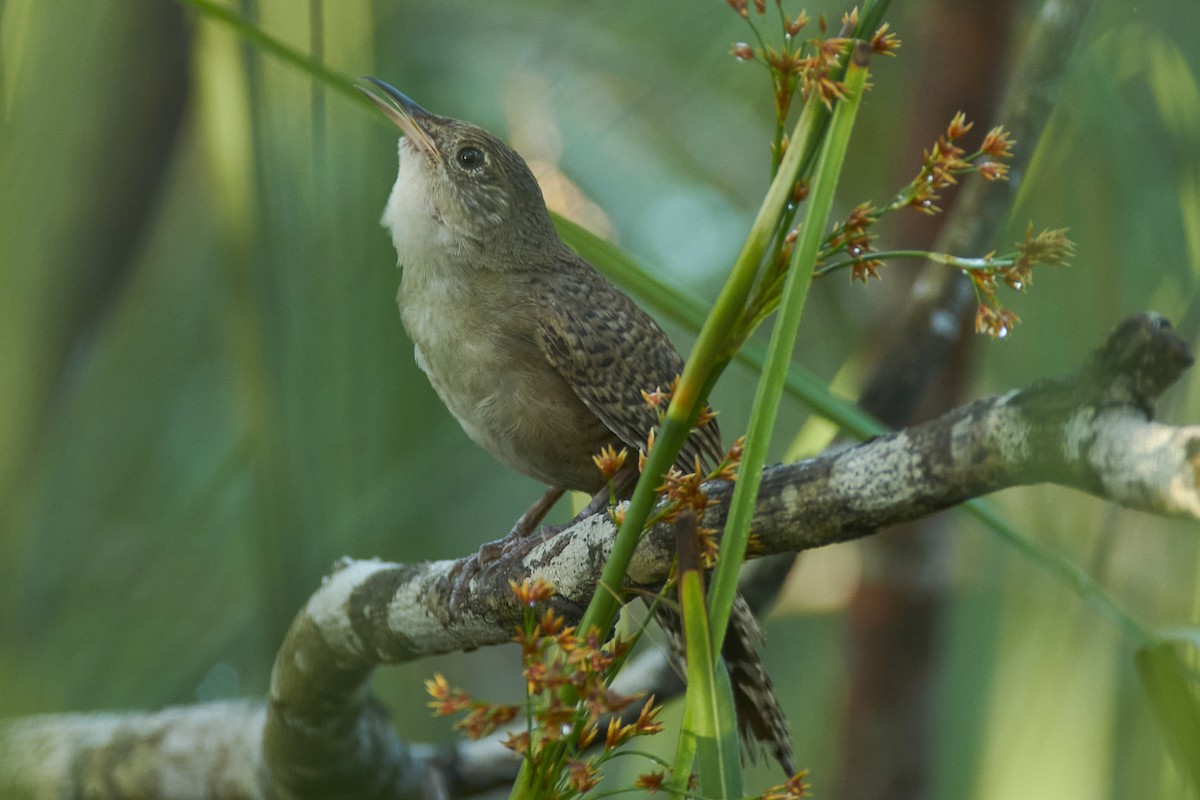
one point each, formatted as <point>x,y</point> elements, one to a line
<point>610,351</point>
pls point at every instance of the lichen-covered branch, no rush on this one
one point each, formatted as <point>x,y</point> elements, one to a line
<point>209,750</point>
<point>322,735</point>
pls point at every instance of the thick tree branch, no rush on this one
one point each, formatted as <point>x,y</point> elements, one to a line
<point>321,734</point>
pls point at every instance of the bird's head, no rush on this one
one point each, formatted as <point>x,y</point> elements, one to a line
<point>459,187</point>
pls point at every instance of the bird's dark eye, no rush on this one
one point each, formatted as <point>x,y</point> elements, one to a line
<point>469,157</point>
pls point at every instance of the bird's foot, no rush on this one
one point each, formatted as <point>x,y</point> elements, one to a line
<point>524,536</point>
<point>502,553</point>
<point>467,569</point>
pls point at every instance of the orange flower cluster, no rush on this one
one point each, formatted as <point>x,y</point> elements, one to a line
<point>946,160</point>
<point>883,41</point>
<point>854,237</point>
<point>793,789</point>
<point>1050,247</point>
<point>481,719</point>
<point>659,399</point>
<point>650,781</point>
<point>683,491</point>
<point>567,679</point>
<point>807,68</point>
<point>609,461</point>
<point>644,725</point>
<point>530,593</point>
<point>567,693</point>
<point>942,164</point>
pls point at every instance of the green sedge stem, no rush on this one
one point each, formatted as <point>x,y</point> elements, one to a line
<point>770,387</point>
<point>709,350</point>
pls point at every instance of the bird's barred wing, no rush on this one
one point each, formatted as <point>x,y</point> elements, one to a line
<point>610,351</point>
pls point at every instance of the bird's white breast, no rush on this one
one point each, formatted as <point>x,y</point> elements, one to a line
<point>411,212</point>
<point>473,339</point>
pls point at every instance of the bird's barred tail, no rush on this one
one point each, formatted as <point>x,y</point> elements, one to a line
<point>761,723</point>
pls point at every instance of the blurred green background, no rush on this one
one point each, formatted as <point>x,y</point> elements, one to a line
<point>208,396</point>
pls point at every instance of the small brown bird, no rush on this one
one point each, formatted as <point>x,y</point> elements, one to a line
<point>540,358</point>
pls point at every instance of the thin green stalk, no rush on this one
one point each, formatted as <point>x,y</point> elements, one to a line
<point>268,43</point>
<point>925,255</point>
<point>1067,572</point>
<point>770,386</point>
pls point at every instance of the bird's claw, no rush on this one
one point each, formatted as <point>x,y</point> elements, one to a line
<point>505,553</point>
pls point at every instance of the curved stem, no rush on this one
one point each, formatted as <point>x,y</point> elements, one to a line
<point>970,264</point>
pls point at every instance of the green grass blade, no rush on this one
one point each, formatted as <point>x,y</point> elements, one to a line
<point>710,723</point>
<point>1175,701</point>
<point>685,753</point>
<point>289,55</point>
<point>1063,570</point>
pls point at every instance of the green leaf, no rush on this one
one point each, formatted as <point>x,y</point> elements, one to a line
<point>710,722</point>
<point>289,55</point>
<point>1174,695</point>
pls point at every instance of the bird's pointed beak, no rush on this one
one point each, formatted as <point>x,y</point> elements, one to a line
<point>411,118</point>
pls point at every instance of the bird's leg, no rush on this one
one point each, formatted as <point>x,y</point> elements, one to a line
<point>465,570</point>
<point>534,514</point>
<point>522,528</point>
<point>518,541</point>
